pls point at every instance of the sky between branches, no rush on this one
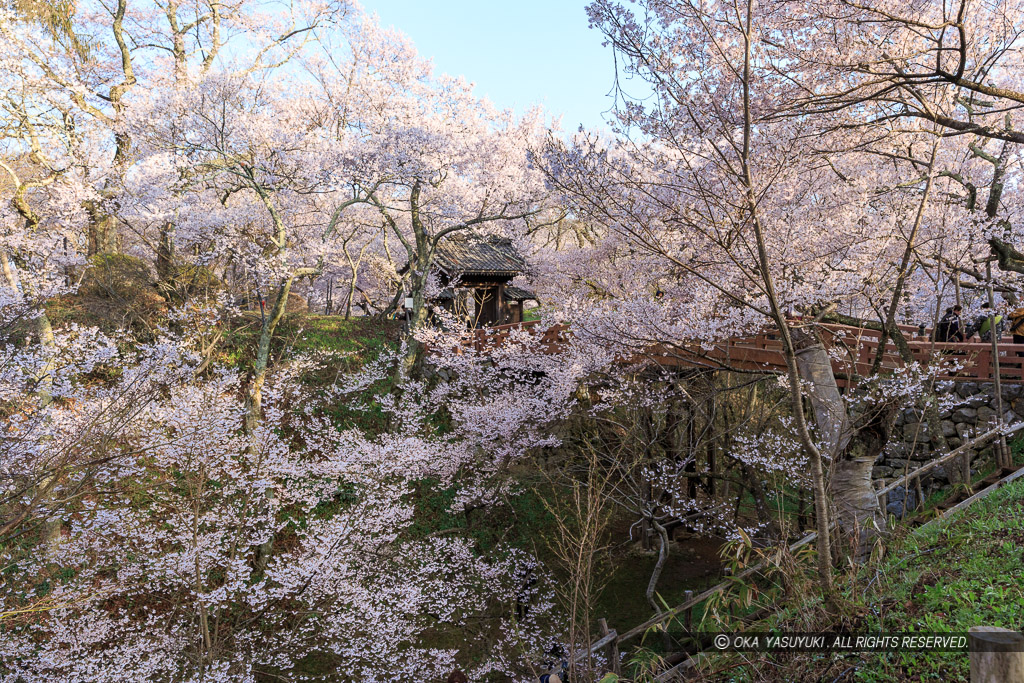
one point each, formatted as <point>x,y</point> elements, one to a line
<point>518,54</point>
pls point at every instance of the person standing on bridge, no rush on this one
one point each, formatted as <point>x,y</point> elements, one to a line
<point>1017,325</point>
<point>985,322</point>
<point>951,327</point>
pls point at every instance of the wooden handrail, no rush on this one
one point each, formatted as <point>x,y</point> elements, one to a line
<point>611,637</point>
<point>946,515</point>
<point>960,450</point>
<point>977,496</point>
<point>696,600</point>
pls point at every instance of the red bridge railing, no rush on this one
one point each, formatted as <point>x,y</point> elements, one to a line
<point>853,350</point>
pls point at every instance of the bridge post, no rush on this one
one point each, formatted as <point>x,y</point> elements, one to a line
<point>688,619</point>
<point>920,493</point>
<point>997,655</point>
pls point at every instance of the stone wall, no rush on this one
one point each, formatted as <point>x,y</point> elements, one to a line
<point>972,413</point>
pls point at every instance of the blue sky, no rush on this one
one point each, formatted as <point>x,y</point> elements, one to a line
<point>517,53</point>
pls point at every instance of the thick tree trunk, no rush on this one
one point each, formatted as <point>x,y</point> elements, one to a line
<point>259,375</point>
<point>421,259</point>
<point>102,230</point>
<point>417,319</point>
<point>852,448</point>
<point>857,510</point>
<point>830,414</point>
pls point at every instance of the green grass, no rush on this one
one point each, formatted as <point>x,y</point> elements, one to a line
<point>940,495</point>
<point>966,572</point>
<point>339,346</point>
<point>521,522</point>
<point>783,503</point>
<point>352,341</point>
<point>943,578</point>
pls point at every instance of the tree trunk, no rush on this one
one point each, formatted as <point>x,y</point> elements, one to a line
<point>254,407</point>
<point>853,448</point>
<point>652,585</point>
<point>830,416</point>
<point>857,510</point>
<point>43,381</point>
<point>165,251</point>
<point>417,320</point>
<point>351,296</point>
<point>420,261</point>
<point>764,512</point>
<point>102,230</point>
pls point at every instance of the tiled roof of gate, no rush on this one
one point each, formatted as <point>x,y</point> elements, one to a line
<point>518,294</point>
<point>478,256</point>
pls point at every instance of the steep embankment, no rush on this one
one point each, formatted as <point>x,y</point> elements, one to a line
<point>939,578</point>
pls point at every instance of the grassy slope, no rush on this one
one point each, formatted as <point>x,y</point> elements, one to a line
<point>301,333</point>
<point>967,572</point>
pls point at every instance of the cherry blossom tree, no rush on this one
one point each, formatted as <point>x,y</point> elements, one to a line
<point>954,66</point>
<point>720,217</point>
<point>162,493</point>
<point>143,485</point>
<point>164,516</point>
<point>421,155</point>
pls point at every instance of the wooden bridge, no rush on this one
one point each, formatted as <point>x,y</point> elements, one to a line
<point>853,351</point>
